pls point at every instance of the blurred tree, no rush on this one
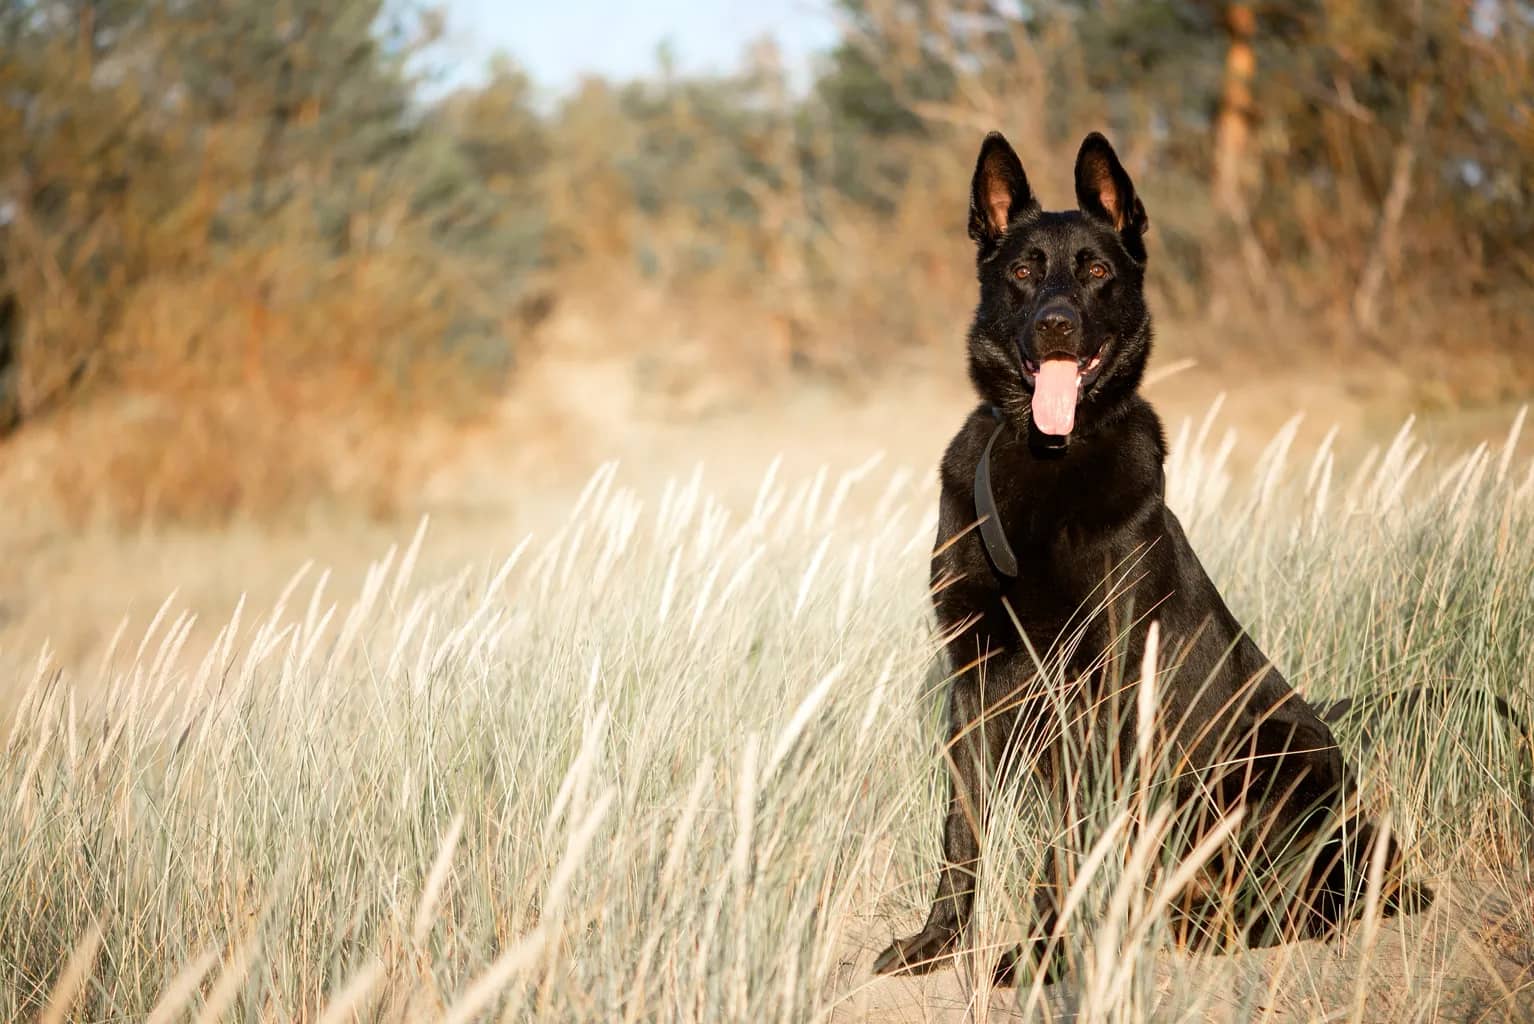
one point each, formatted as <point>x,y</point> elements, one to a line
<point>1316,127</point>
<point>871,102</point>
<point>483,166</point>
<point>147,143</point>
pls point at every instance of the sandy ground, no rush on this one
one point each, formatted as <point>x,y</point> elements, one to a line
<point>1457,961</point>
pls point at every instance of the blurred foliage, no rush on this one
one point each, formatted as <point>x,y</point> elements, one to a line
<point>236,211</point>
<point>217,190</point>
<point>254,205</point>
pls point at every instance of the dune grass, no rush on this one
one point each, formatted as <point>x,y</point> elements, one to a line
<point>680,762</point>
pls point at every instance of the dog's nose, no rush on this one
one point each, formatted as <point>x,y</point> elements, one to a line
<point>1056,322</point>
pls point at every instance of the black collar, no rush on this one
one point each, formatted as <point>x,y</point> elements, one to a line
<point>991,532</point>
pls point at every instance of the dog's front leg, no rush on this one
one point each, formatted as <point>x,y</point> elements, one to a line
<point>973,752</point>
<point>1042,950</point>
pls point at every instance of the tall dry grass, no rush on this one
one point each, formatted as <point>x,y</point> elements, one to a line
<point>680,762</point>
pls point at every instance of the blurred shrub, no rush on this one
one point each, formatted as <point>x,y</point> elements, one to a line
<point>229,204</point>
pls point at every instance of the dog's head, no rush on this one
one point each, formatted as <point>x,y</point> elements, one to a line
<point>1061,333</point>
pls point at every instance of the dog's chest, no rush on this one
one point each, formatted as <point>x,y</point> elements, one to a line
<point>1066,508</point>
<point>1074,523</point>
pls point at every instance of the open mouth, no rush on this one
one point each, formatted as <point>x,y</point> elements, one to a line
<point>1058,383</point>
<point>1088,369</point>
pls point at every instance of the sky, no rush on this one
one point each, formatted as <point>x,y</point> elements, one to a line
<point>561,41</point>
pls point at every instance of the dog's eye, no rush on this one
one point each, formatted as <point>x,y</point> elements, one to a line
<point>1098,270</point>
<point>1022,273</point>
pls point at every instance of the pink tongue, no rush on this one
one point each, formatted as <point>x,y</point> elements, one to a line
<point>1054,396</point>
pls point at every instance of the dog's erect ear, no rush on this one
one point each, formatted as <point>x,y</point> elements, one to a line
<point>999,196</point>
<point>1104,191</point>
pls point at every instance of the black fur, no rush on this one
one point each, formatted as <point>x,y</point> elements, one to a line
<point>1080,511</point>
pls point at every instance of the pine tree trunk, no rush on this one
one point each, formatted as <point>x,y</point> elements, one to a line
<point>1233,126</point>
<point>1232,140</point>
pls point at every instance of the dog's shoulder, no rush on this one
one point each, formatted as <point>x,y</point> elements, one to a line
<point>1139,433</point>
<point>1122,467</point>
<point>962,456</point>
<point>962,574</point>
<point>957,514</point>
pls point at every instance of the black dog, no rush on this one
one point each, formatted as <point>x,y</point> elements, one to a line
<point>1061,468</point>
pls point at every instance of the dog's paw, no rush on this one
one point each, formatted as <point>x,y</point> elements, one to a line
<point>919,953</point>
<point>1409,898</point>
<point>1005,975</point>
<point>1040,958</point>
